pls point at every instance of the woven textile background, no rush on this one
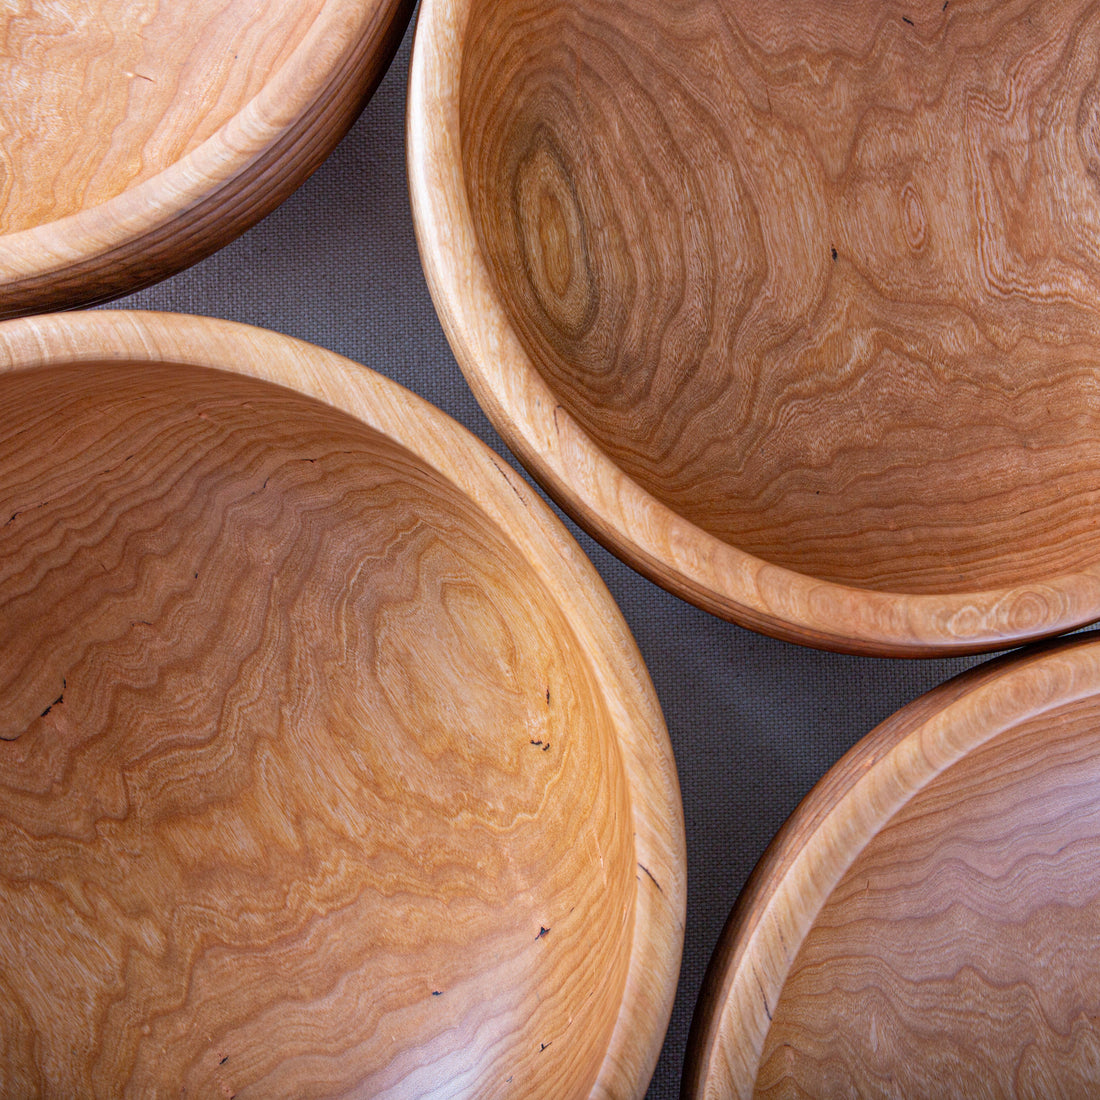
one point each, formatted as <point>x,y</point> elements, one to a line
<point>754,722</point>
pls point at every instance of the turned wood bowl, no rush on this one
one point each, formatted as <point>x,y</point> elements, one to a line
<point>138,137</point>
<point>794,306</point>
<point>328,766</point>
<point>926,923</point>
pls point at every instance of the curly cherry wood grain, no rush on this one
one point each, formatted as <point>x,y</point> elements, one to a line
<point>137,136</point>
<point>327,765</point>
<point>794,306</point>
<point>925,925</point>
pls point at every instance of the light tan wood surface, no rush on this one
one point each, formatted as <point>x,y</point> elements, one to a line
<point>327,764</point>
<point>925,925</point>
<point>137,136</point>
<point>792,306</point>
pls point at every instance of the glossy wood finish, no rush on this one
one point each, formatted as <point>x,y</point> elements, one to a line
<point>327,764</point>
<point>925,925</point>
<point>137,136</point>
<point>793,306</point>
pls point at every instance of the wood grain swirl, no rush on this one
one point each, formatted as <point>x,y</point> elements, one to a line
<point>926,925</point>
<point>664,234</point>
<point>817,282</point>
<point>307,787</point>
<point>137,137</point>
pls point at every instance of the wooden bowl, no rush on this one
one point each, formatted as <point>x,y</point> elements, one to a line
<point>328,765</point>
<point>137,138</point>
<point>925,924</point>
<point>795,306</point>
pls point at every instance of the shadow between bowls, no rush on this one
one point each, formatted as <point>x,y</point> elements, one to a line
<point>140,138</point>
<point>788,344</point>
<point>924,923</point>
<point>330,764</point>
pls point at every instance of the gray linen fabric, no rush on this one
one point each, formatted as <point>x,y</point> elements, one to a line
<point>754,722</point>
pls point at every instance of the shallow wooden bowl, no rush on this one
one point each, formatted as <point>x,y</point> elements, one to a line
<point>327,765</point>
<point>926,923</point>
<point>136,137</point>
<point>795,306</point>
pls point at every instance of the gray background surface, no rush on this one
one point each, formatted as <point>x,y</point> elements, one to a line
<point>754,722</point>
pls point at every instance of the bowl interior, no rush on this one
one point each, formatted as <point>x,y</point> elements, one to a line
<point>823,278</point>
<point>958,954</point>
<point>99,97</point>
<point>305,783</point>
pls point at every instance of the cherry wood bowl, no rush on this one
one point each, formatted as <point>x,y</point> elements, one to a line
<point>328,766</point>
<point>925,924</point>
<point>138,137</point>
<point>795,306</point>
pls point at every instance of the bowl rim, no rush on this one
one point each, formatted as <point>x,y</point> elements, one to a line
<point>210,195</point>
<point>664,546</point>
<point>525,521</point>
<point>832,825</point>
